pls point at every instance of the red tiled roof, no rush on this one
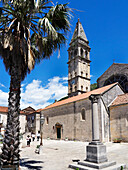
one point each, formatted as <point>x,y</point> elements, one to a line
<point>5,110</point>
<point>81,96</point>
<point>121,99</point>
<point>38,110</point>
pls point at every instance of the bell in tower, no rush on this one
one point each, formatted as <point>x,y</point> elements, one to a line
<point>78,63</point>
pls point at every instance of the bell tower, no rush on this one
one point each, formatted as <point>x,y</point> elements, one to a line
<point>78,63</point>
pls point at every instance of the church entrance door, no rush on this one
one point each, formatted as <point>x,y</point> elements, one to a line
<point>58,130</point>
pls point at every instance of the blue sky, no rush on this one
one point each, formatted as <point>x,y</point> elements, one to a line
<point>106,26</point>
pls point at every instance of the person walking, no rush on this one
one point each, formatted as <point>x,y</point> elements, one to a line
<point>28,142</point>
<point>38,136</point>
<point>33,136</point>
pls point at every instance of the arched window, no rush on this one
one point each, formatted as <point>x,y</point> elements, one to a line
<point>71,76</point>
<point>70,89</point>
<point>76,52</point>
<point>86,53</point>
<point>81,88</point>
<point>83,117</point>
<point>47,120</point>
<point>121,79</point>
<point>75,88</point>
<point>81,73</point>
<point>81,52</point>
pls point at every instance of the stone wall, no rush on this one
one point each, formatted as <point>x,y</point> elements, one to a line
<point>69,116</point>
<point>119,122</point>
<point>23,123</point>
<point>37,123</point>
<point>22,119</point>
<point>111,94</point>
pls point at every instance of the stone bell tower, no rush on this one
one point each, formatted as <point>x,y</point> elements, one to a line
<point>78,63</point>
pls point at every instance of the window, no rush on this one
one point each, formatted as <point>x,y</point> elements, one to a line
<point>86,88</point>
<point>71,76</point>
<point>121,79</point>
<point>81,52</point>
<point>75,88</point>
<point>86,74</point>
<point>75,53</point>
<point>81,73</point>
<point>71,89</point>
<point>83,114</point>
<point>86,53</point>
<point>81,88</point>
<point>75,74</point>
<point>47,120</point>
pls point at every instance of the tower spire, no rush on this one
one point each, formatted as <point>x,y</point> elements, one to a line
<point>79,32</point>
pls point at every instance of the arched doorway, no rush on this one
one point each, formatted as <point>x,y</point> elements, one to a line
<point>58,130</point>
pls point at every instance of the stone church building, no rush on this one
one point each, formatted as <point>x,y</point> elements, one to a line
<point>71,118</point>
<point>117,72</point>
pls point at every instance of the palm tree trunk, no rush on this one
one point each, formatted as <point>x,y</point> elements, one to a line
<point>10,150</point>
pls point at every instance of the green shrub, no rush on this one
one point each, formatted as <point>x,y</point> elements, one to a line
<point>38,146</point>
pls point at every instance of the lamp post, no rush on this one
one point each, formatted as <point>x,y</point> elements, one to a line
<point>42,119</point>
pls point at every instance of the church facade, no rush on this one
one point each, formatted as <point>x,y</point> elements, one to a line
<point>71,118</point>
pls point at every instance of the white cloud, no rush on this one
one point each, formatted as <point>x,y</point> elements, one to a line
<point>3,98</point>
<point>2,85</point>
<point>38,96</point>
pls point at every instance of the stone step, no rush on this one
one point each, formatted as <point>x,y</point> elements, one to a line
<point>116,167</point>
<point>97,166</point>
<point>82,167</point>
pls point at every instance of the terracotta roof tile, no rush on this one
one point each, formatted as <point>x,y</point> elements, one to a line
<point>38,110</point>
<point>121,99</point>
<point>5,110</point>
<point>81,96</point>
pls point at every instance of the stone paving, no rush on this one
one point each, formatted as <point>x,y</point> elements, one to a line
<point>57,155</point>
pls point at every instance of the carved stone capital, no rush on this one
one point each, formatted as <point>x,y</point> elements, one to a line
<point>94,98</point>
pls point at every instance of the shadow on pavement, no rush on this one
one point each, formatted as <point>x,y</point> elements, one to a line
<point>29,164</point>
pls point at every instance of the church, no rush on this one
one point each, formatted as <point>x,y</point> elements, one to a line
<point>71,118</point>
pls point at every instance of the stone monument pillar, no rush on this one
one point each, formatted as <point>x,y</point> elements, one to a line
<point>96,156</point>
<point>96,151</point>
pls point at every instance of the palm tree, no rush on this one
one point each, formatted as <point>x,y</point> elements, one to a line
<point>30,30</point>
